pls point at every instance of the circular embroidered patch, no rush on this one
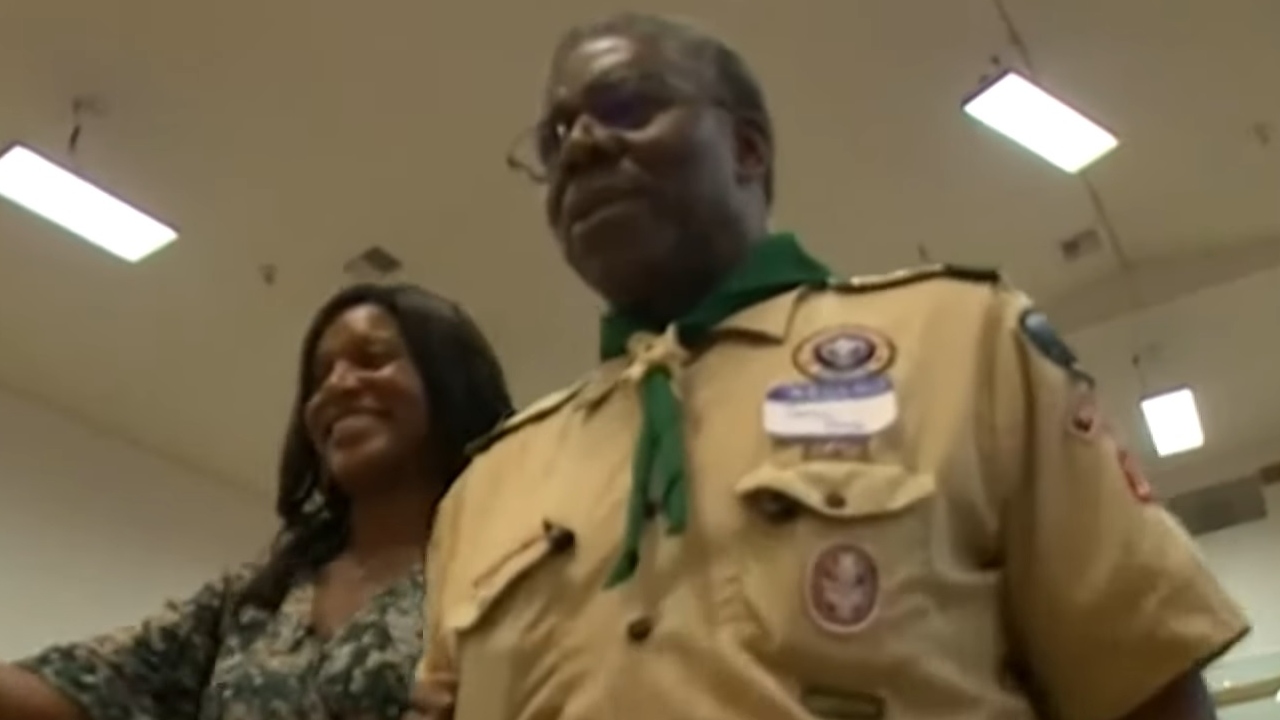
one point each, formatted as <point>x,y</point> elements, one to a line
<point>841,588</point>
<point>843,353</point>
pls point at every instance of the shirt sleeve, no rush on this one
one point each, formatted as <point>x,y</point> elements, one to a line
<point>435,681</point>
<point>156,670</point>
<point>1107,596</point>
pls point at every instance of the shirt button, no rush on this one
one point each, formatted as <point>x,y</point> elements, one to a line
<point>639,629</point>
<point>560,539</point>
<point>834,500</point>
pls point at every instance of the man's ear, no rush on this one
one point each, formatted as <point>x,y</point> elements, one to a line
<point>754,151</point>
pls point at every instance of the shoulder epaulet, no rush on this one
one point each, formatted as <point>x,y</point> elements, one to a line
<point>907,276</point>
<point>533,412</point>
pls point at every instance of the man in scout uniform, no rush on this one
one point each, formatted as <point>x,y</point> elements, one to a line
<point>783,494</point>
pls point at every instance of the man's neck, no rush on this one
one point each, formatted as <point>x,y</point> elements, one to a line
<point>677,297</point>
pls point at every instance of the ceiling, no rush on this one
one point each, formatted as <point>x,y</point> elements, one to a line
<point>297,134</point>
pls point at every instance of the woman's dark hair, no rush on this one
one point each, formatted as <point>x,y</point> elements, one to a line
<point>720,70</point>
<point>466,397</point>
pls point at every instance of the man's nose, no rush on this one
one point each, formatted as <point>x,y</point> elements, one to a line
<point>588,141</point>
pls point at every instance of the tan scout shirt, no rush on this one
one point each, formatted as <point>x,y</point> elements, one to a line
<point>983,554</point>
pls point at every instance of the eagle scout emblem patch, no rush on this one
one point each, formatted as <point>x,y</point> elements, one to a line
<point>1036,328</point>
<point>841,588</point>
<point>843,353</point>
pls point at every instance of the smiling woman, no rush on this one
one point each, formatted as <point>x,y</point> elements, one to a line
<point>394,384</point>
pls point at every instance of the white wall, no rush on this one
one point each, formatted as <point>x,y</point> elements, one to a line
<point>1246,559</point>
<point>95,533</point>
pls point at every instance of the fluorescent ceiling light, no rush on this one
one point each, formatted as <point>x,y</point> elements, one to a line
<point>77,205</point>
<point>1031,117</point>
<point>1173,422</point>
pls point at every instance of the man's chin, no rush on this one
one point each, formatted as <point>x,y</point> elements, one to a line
<point>628,267</point>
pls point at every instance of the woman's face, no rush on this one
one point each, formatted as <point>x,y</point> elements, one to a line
<point>367,415</point>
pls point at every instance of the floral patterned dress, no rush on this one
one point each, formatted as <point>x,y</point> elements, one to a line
<point>198,660</point>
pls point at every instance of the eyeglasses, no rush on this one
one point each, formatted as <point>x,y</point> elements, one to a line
<point>614,108</point>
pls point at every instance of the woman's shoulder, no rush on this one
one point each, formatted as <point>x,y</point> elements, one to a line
<point>231,592</point>
<point>234,577</point>
<point>227,587</point>
<point>237,576</point>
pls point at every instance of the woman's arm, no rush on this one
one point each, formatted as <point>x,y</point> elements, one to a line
<point>25,695</point>
<point>156,670</point>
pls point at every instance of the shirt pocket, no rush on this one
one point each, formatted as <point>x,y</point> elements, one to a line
<point>504,613</point>
<point>834,559</point>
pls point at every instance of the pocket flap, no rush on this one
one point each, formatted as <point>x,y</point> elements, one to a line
<point>839,490</point>
<point>495,581</point>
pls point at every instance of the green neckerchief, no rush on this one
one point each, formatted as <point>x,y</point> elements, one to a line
<point>658,478</point>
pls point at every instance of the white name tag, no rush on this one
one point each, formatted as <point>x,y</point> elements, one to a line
<point>819,410</point>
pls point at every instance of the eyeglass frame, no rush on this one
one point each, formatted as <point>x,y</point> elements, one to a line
<point>681,97</point>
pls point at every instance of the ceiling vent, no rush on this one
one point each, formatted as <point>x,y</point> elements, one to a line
<point>1223,505</point>
<point>1080,245</point>
<point>1270,474</point>
<point>376,263</point>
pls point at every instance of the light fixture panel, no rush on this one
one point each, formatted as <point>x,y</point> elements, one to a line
<point>1173,422</point>
<point>65,199</point>
<point>1021,111</point>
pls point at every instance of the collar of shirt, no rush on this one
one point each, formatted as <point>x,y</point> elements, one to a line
<point>769,320</point>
